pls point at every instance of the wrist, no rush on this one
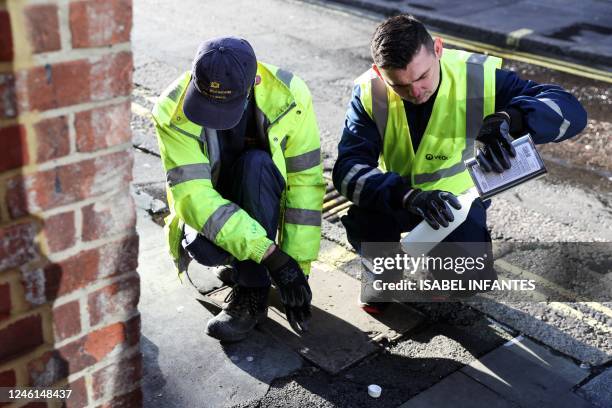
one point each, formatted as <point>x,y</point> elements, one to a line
<point>515,121</point>
<point>398,192</point>
<point>268,252</point>
<point>276,259</point>
<point>408,196</point>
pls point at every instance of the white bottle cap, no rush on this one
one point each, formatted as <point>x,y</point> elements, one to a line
<point>374,390</point>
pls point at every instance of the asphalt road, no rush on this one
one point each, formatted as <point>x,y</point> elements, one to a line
<point>328,48</point>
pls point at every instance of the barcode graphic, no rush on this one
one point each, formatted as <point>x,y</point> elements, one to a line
<point>526,151</point>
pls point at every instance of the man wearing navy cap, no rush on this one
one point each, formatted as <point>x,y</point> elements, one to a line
<point>240,146</point>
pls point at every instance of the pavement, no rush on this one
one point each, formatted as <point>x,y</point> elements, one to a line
<point>458,359</point>
<point>501,353</point>
<point>579,32</point>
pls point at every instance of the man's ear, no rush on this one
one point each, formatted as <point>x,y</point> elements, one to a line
<point>438,47</point>
<point>375,68</point>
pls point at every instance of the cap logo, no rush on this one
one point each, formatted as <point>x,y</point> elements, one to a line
<point>215,85</point>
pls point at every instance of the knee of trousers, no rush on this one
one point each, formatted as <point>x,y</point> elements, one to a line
<point>257,165</point>
<point>254,160</point>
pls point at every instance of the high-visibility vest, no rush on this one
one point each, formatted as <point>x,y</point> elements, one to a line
<point>191,158</point>
<point>465,96</point>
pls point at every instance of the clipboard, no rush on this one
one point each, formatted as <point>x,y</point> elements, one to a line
<point>527,165</point>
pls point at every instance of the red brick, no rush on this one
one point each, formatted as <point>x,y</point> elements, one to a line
<point>17,244</point>
<point>68,184</point>
<point>96,23</point>
<point>101,342</point>
<point>112,76</point>
<point>108,217</point>
<point>47,369</point>
<point>76,272</point>
<point>103,127</point>
<point>53,139</point>
<point>66,320</point>
<point>117,378</point>
<point>8,95</point>
<point>54,86</point>
<point>119,257</point>
<point>114,300</point>
<point>94,347</point>
<point>74,82</point>
<point>129,400</point>
<point>6,37</point>
<point>60,231</point>
<point>78,396</point>
<point>43,27</point>
<point>71,274</point>
<point>13,147</point>
<point>132,328</point>
<point>8,379</point>
<point>5,301</point>
<point>21,336</point>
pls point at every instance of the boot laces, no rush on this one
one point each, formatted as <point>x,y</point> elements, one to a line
<point>249,300</point>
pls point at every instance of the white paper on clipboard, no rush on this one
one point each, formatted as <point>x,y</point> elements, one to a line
<point>525,166</point>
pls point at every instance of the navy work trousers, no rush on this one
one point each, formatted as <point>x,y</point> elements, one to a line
<point>256,187</point>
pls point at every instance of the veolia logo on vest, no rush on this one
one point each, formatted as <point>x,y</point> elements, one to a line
<point>430,156</point>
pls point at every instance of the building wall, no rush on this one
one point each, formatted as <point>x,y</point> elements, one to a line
<point>68,246</point>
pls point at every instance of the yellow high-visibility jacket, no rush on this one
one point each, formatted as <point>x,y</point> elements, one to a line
<point>190,156</point>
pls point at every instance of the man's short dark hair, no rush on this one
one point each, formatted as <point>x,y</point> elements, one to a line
<point>397,40</point>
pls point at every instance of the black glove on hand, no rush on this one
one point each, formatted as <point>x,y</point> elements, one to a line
<point>432,206</point>
<point>495,135</point>
<point>293,287</point>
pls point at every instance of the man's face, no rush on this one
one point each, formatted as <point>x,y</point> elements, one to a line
<point>418,81</point>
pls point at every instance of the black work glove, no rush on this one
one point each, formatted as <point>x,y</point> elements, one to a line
<point>432,206</point>
<point>495,136</point>
<point>293,287</point>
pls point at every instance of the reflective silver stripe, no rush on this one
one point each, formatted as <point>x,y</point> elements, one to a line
<point>349,177</point>
<point>380,105</point>
<point>283,143</point>
<point>474,112</point>
<point>474,109</point>
<point>174,94</point>
<point>361,182</point>
<point>303,161</point>
<point>303,217</point>
<point>442,173</point>
<point>218,219</point>
<point>284,76</point>
<point>566,123</point>
<point>178,129</point>
<point>214,154</point>
<point>188,172</point>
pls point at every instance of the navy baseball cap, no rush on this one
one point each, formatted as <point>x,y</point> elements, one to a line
<point>222,74</point>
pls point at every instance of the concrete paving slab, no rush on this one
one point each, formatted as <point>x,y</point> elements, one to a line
<point>598,391</point>
<point>147,169</point>
<point>341,333</point>
<point>547,359</point>
<point>182,366</point>
<point>458,390</point>
<point>519,379</point>
<point>412,365</point>
<point>559,331</point>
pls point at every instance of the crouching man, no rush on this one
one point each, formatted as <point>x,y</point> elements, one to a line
<point>240,146</point>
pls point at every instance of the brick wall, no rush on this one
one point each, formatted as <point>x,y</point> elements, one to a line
<point>68,247</point>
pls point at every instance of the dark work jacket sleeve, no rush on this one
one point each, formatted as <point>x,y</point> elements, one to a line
<point>548,112</point>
